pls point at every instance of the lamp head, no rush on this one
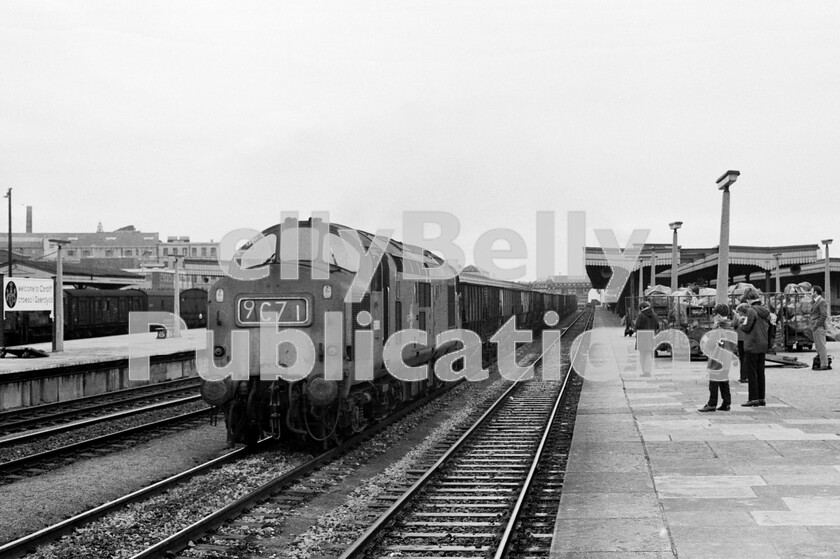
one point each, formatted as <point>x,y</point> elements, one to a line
<point>727,179</point>
<point>826,241</point>
<point>675,225</point>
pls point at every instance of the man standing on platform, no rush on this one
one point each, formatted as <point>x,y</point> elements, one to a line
<point>646,320</point>
<point>816,322</point>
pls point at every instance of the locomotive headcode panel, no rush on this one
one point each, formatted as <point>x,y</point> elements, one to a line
<point>284,311</point>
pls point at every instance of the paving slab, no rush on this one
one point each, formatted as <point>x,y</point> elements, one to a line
<point>650,476</point>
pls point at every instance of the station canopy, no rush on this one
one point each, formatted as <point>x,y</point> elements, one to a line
<point>75,274</point>
<point>699,265</point>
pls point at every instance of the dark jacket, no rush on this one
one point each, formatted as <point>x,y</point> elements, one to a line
<point>647,320</point>
<point>819,314</point>
<point>756,328</point>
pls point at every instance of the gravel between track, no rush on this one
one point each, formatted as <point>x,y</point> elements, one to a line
<point>34,503</point>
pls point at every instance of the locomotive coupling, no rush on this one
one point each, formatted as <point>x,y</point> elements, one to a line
<point>322,392</point>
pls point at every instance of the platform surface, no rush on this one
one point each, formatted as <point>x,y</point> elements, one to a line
<point>97,350</point>
<point>651,477</point>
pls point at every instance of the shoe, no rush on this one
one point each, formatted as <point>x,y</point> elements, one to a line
<point>707,407</point>
<point>723,408</point>
<point>750,404</point>
<point>762,403</point>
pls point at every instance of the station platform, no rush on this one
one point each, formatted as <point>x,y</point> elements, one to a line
<point>108,348</point>
<point>93,366</point>
<point>650,477</point>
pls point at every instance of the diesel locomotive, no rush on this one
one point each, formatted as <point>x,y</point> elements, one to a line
<point>299,275</point>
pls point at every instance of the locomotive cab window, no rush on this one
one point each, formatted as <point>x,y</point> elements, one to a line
<point>334,250</point>
<point>297,244</point>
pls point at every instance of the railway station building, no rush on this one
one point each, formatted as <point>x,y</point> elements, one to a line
<point>566,285</point>
<point>125,247</point>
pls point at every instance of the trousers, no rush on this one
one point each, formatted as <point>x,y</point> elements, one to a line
<point>742,371</point>
<point>819,342</point>
<point>725,393</point>
<point>754,363</point>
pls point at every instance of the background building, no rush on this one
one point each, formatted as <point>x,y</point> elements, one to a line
<point>127,249</point>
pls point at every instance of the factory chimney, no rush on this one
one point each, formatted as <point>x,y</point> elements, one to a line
<point>29,219</point>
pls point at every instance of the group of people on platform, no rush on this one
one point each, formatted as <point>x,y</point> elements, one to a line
<point>755,325</point>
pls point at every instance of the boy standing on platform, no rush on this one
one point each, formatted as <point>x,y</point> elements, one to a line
<point>719,372</point>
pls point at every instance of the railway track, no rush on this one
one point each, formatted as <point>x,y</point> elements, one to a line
<point>26,544</point>
<point>533,530</point>
<point>59,413</point>
<point>29,436</point>
<point>181,539</point>
<point>493,493</point>
<point>54,458</point>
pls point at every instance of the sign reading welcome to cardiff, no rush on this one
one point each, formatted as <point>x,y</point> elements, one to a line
<point>28,294</point>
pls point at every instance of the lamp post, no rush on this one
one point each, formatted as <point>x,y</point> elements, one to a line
<point>58,330</point>
<point>653,268</point>
<point>641,276</point>
<point>778,273</point>
<point>176,328</point>
<point>9,196</point>
<point>827,242</point>
<point>724,182</point>
<point>674,256</point>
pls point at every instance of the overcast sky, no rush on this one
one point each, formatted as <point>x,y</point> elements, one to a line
<point>197,118</point>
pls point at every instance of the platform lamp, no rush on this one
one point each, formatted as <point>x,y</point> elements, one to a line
<point>58,328</point>
<point>652,267</point>
<point>674,256</point>
<point>641,274</point>
<point>724,182</point>
<point>827,242</point>
<point>778,272</point>
<point>9,196</point>
<point>176,280</point>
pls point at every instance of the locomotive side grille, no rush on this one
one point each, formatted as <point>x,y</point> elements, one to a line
<point>356,309</point>
<point>359,307</point>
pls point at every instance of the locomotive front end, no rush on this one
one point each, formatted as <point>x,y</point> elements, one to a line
<point>275,329</point>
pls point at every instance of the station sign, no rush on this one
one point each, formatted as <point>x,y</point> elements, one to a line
<point>28,294</point>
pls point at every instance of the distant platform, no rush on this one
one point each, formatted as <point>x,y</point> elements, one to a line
<point>98,350</point>
<point>650,477</point>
